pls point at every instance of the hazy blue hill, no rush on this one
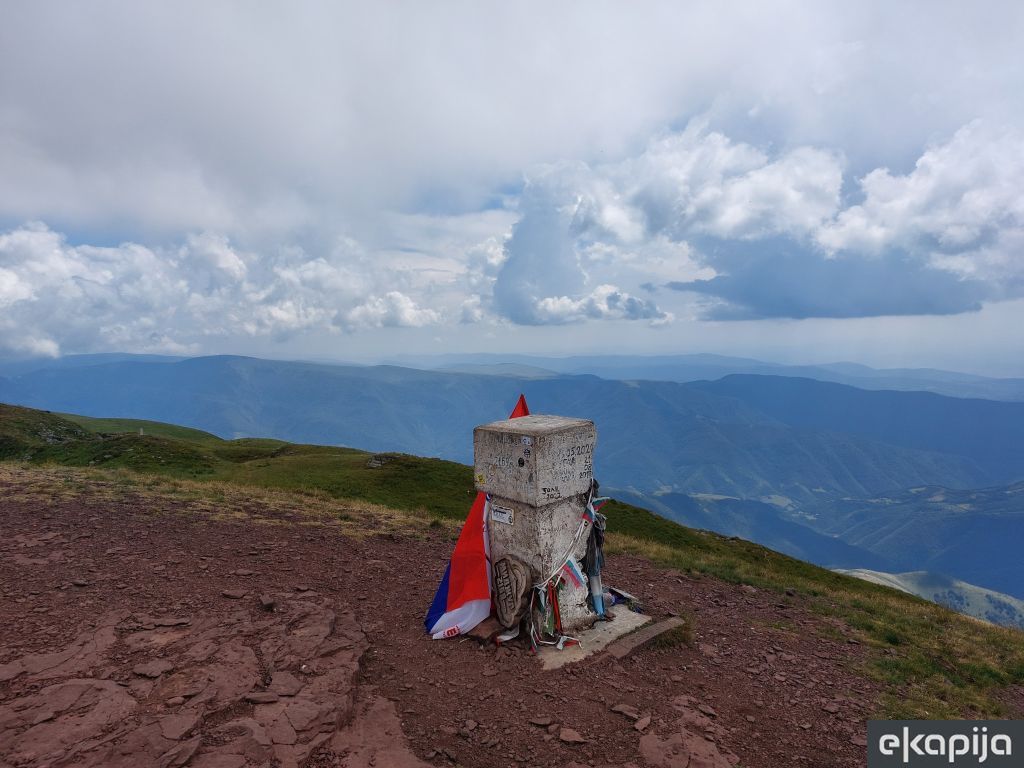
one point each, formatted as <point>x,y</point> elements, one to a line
<point>975,535</point>
<point>697,367</point>
<point>17,367</point>
<point>653,435</point>
<point>986,431</point>
<point>500,369</point>
<point>756,521</point>
<point>677,368</point>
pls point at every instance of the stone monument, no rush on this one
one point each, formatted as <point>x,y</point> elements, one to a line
<point>538,472</point>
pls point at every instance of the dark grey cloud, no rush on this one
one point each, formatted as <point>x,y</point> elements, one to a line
<point>782,279</point>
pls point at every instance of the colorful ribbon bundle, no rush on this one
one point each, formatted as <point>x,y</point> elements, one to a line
<point>568,571</point>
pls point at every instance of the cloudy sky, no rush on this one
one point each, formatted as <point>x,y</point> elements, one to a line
<point>799,182</point>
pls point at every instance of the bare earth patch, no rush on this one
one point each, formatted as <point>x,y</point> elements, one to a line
<point>153,625</point>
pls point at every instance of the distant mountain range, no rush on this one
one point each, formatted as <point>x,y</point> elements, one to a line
<point>18,367</point>
<point>678,368</point>
<point>696,367</point>
<point>757,521</point>
<point>797,464</point>
<point>976,535</point>
<point>984,430</point>
<point>654,436</point>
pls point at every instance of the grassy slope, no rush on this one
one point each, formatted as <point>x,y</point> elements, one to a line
<point>935,663</point>
<point>132,426</point>
<point>403,482</point>
<point>953,593</point>
<point>24,428</point>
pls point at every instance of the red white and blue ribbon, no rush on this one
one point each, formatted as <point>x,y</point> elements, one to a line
<point>572,573</point>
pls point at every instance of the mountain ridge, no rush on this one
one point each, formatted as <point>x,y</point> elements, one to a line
<point>988,431</point>
<point>690,434</point>
<point>677,367</point>
<point>695,367</point>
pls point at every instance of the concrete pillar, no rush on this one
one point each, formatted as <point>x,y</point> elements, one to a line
<point>538,471</point>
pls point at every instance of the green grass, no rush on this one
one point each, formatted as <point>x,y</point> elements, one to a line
<point>932,662</point>
<point>681,635</point>
<point>22,430</point>
<point>132,426</point>
<point>440,489</point>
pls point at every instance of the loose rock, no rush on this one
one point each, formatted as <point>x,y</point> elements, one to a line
<point>570,736</point>
<point>627,710</point>
<point>176,726</point>
<point>285,684</point>
<point>261,697</point>
<point>153,669</point>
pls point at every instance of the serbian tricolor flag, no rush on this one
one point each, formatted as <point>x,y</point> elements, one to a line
<point>463,599</point>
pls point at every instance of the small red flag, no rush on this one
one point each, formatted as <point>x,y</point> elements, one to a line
<point>521,409</point>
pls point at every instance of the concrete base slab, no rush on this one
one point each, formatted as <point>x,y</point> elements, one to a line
<point>593,640</point>
<point>621,648</point>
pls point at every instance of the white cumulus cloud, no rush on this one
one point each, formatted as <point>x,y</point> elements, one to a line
<point>962,203</point>
<point>606,302</point>
<point>58,297</point>
<point>392,310</point>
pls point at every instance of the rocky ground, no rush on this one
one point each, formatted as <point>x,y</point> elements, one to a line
<point>144,628</point>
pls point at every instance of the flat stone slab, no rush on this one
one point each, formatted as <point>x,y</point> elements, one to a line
<point>603,634</point>
<point>621,648</point>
